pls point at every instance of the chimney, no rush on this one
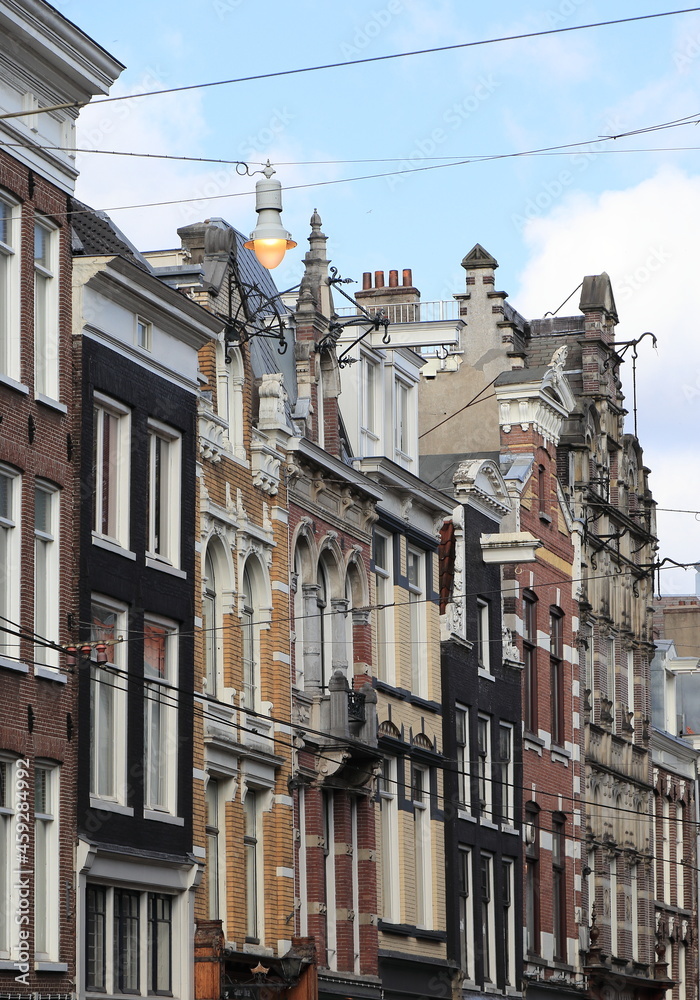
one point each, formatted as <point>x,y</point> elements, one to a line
<point>193,239</point>
<point>393,294</point>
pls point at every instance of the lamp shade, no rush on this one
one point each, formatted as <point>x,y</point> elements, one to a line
<point>269,240</point>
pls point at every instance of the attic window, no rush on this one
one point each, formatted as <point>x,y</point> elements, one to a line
<point>143,334</point>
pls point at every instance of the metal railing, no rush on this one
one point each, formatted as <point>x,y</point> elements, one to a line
<point>409,312</point>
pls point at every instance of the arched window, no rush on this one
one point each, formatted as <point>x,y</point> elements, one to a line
<point>210,619</point>
<point>231,407</point>
<point>250,643</point>
<point>325,623</point>
<point>299,620</point>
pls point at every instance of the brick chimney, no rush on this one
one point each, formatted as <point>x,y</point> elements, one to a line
<point>378,293</point>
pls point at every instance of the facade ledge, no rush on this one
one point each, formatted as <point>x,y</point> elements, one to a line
<point>160,817</point>
<point>52,404</point>
<point>560,755</point>
<point>50,674</point>
<point>109,546</point>
<point>51,966</point>
<point>12,383</point>
<point>152,563</point>
<point>532,742</point>
<point>486,675</point>
<point>16,665</point>
<point>106,805</point>
<point>410,930</point>
<point>509,547</point>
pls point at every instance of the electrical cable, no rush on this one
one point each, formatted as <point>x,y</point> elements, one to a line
<point>353,62</point>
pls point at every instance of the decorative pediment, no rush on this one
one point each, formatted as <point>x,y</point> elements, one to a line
<point>478,481</point>
<point>478,257</point>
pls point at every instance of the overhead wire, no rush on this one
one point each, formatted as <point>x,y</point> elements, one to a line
<point>354,62</point>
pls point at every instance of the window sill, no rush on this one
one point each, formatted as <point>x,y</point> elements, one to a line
<point>16,665</point>
<point>52,404</point>
<point>51,967</point>
<point>164,567</point>
<point>162,817</point>
<point>12,383</point>
<point>466,816</point>
<point>560,755</point>
<point>106,805</point>
<point>110,546</point>
<point>50,674</point>
<point>486,675</point>
<point>507,828</point>
<point>532,742</point>
<point>488,824</point>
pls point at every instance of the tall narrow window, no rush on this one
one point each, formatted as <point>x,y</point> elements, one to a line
<point>634,899</point>
<point>299,621</point>
<point>164,472</point>
<point>210,618</point>
<point>9,288</point>
<point>665,850</point>
<point>482,634</point>
<point>483,751</point>
<point>249,636</point>
<point>355,879</point>
<point>212,832</point>
<point>46,884</point>
<point>556,674</point>
<point>108,695</point>
<point>7,783</point>
<point>45,310</point>
<point>559,888</point>
<point>416,599</point>
<point>46,571</point>
<point>532,878</point>
<point>160,939</point>
<point>680,853</point>
<point>421,847</point>
<point>369,427</point>
<point>10,487</point>
<point>96,938</point>
<point>329,873</point>
<point>160,667</point>
<point>611,674</point>
<point>111,472</point>
<point>127,967</point>
<point>466,918</point>
<point>541,490</point>
<point>614,943</point>
<point>251,843</point>
<point>487,919</point>
<point>463,769</point>
<point>384,614</point>
<point>530,660</point>
<point>389,842</point>
<point>144,334</point>
<point>402,425</point>
<point>630,681</point>
<point>325,621</point>
<point>508,922</point>
<point>505,771</point>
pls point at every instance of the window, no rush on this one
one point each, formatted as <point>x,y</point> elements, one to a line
<point>7,793</point>
<point>532,878</point>
<point>46,576</point>
<point>10,494</point>
<point>129,941</point>
<point>556,674</point>
<point>160,668</point>
<point>488,931</point>
<point>384,620</point>
<point>634,899</point>
<point>45,309</point>
<point>144,333</point>
<point>680,853</point>
<point>630,683</point>
<point>9,288</point>
<point>402,426</point>
<point>483,754</point>
<point>559,887</point>
<point>355,881</point>
<point>369,422</point>
<point>665,851</point>
<point>108,698</point>
<point>325,624</point>
<point>253,865</point>
<point>328,803</point>
<point>389,841</point>
<point>249,639</point>
<point>482,633</point>
<point>466,923</point>
<point>611,675</point>
<point>46,886</point>
<point>508,925</point>
<point>505,771</point>
<point>164,493</point>
<point>210,618</point>
<point>530,658</point>
<point>614,941</point>
<point>111,470</point>
<point>421,846</point>
<point>463,769</point>
<point>212,832</point>
<point>416,599</point>
<point>232,396</point>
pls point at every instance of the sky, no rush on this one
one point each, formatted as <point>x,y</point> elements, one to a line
<point>628,206</point>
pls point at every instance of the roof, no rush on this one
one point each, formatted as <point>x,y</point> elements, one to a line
<point>95,235</point>
<point>438,470</point>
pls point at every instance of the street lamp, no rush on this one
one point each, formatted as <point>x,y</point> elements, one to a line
<point>269,240</point>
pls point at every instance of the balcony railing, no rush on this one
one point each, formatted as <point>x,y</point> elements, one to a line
<point>410,312</point>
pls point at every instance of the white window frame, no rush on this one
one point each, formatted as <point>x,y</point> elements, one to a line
<point>231,386</point>
<point>161,704</point>
<point>251,619</point>
<point>108,707</point>
<point>634,894</point>
<point>417,618</point>
<point>117,470</point>
<point>10,284</point>
<point>506,774</point>
<point>355,879</point>
<point>164,510</point>
<point>46,868</point>
<point>484,759</point>
<point>614,922</point>
<point>611,679</point>
<point>508,917</point>
<point>423,855</point>
<point>143,334</point>
<point>254,865</point>
<point>10,557</point>
<point>299,621</point>
<point>488,923</point>
<point>328,806</point>
<point>325,623</point>
<point>389,831</point>
<point>630,684</point>
<point>483,648</point>
<point>47,564</point>
<point>463,757</point>
<point>384,616</point>
<point>403,423</point>
<point>46,303</point>
<point>466,912</point>
<point>370,406</point>
<point>680,854</point>
<point>8,862</point>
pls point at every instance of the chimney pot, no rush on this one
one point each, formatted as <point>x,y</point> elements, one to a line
<point>379,279</point>
<point>407,277</point>
<point>366,280</point>
<point>393,279</point>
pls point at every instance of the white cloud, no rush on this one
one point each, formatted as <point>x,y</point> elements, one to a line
<point>645,237</point>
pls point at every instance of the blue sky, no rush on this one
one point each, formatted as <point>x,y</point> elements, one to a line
<point>548,219</point>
